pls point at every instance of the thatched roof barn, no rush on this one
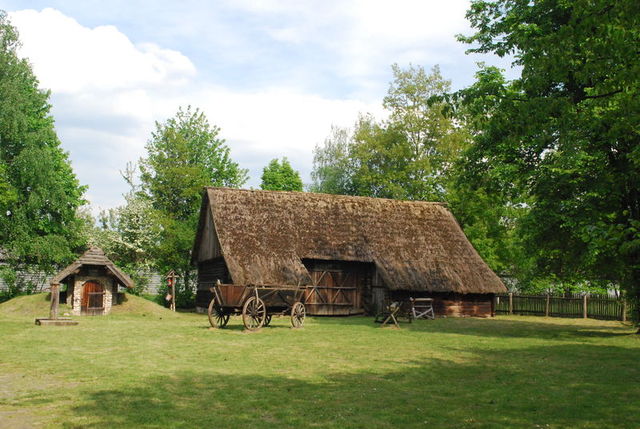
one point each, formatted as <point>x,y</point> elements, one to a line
<point>354,250</point>
<point>92,283</point>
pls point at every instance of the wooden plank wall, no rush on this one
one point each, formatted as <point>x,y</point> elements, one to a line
<point>208,272</point>
<point>452,304</point>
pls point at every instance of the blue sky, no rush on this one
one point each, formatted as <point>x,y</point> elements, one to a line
<point>273,75</point>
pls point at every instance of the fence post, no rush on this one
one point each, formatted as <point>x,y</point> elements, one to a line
<point>584,306</point>
<point>510,302</point>
<point>624,310</point>
<point>546,307</point>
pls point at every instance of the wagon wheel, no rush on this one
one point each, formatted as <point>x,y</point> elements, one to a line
<point>254,313</point>
<point>267,320</point>
<point>217,317</point>
<point>297,315</point>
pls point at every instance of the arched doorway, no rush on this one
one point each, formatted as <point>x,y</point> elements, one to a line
<point>92,298</point>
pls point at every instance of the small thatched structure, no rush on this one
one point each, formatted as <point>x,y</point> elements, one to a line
<point>353,252</point>
<point>92,283</point>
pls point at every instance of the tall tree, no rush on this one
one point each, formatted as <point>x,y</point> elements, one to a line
<point>184,154</point>
<point>565,136</point>
<point>332,164</point>
<point>407,156</point>
<point>39,193</point>
<point>280,176</point>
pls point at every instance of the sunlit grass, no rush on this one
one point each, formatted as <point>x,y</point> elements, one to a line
<point>153,368</point>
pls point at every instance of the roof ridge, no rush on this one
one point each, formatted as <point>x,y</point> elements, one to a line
<point>321,194</point>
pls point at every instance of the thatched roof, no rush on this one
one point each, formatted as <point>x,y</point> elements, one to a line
<point>263,235</point>
<point>95,257</point>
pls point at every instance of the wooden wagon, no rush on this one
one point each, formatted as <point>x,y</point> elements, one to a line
<point>256,303</point>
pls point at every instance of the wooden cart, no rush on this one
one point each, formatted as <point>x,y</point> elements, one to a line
<point>256,304</point>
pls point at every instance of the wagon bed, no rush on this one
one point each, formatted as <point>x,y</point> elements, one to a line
<point>256,303</point>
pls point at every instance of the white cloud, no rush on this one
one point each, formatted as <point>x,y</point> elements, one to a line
<point>107,92</point>
<point>366,36</point>
<point>68,57</point>
<point>273,74</point>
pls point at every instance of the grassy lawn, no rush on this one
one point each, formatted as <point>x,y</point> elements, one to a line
<point>147,367</point>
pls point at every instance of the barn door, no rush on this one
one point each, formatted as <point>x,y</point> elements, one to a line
<point>92,298</point>
<point>334,292</point>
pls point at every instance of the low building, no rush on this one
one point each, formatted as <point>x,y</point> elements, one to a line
<point>92,283</point>
<point>353,253</point>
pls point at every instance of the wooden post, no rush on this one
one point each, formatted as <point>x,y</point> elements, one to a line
<point>173,294</point>
<point>624,310</point>
<point>547,306</point>
<point>584,306</point>
<point>55,300</point>
<point>510,302</point>
<point>171,279</point>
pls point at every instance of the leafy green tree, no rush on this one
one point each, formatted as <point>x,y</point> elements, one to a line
<point>184,154</point>
<point>332,164</point>
<point>564,137</point>
<point>406,157</point>
<point>280,176</point>
<point>39,193</point>
<point>409,155</point>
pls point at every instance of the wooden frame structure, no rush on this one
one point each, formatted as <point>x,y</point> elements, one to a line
<point>93,280</point>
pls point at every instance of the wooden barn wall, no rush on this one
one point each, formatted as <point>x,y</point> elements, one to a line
<point>339,287</point>
<point>453,304</point>
<point>208,273</point>
<point>209,245</point>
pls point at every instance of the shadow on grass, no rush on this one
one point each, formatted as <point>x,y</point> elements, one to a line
<point>553,386</point>
<point>500,328</point>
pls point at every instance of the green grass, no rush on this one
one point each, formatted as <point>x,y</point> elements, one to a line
<point>147,367</point>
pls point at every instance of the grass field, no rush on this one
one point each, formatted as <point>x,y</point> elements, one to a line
<point>146,367</point>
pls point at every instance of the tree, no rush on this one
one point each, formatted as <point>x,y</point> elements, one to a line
<point>184,154</point>
<point>128,234</point>
<point>39,193</point>
<point>409,155</point>
<point>564,137</point>
<point>280,176</point>
<point>406,157</point>
<point>332,164</point>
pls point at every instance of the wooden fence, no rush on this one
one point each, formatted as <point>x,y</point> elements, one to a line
<point>595,307</point>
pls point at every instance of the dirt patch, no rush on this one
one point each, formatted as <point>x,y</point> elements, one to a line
<point>18,419</point>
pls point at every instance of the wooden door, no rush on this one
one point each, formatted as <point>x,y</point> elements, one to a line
<point>92,298</point>
<point>333,292</point>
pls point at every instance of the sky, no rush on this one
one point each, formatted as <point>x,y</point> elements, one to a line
<point>274,75</point>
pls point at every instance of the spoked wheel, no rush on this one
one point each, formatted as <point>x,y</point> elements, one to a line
<point>297,315</point>
<point>267,320</point>
<point>217,317</point>
<point>254,313</point>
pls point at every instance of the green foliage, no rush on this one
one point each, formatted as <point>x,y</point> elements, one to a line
<point>280,176</point>
<point>128,234</point>
<point>184,154</point>
<point>332,164</point>
<point>564,137</point>
<point>39,193</point>
<point>406,157</point>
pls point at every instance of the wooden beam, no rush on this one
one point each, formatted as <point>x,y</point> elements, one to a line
<point>55,300</point>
